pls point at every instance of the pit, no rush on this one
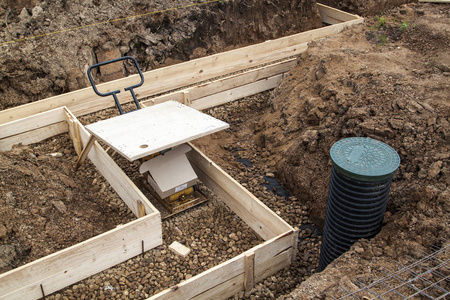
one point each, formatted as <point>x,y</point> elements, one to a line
<point>286,133</point>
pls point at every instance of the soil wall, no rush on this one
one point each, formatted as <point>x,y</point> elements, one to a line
<point>386,81</point>
<point>38,68</point>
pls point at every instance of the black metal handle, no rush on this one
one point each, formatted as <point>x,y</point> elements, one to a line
<point>113,93</point>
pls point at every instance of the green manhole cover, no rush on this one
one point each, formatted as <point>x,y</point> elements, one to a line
<point>364,159</point>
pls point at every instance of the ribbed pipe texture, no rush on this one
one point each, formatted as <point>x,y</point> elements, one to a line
<point>355,210</point>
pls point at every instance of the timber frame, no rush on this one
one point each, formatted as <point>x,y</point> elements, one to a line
<point>37,121</point>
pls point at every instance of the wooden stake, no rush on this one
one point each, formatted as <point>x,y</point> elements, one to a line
<point>42,290</point>
<point>85,151</point>
<point>295,245</point>
<point>249,273</point>
<point>141,209</point>
<point>186,98</point>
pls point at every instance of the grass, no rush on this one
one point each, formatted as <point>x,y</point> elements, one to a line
<point>381,21</point>
<point>405,25</point>
<point>383,39</point>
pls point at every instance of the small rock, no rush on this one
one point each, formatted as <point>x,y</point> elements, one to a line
<point>56,154</point>
<point>233,236</point>
<point>377,251</point>
<point>60,206</point>
<point>270,175</point>
<point>3,232</point>
<point>422,174</point>
<point>24,15</point>
<point>434,169</point>
<point>359,249</point>
<point>7,256</point>
<point>37,13</point>
<point>10,199</point>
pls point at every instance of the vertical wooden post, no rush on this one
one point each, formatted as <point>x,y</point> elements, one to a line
<point>74,132</point>
<point>141,209</point>
<point>295,245</point>
<point>249,273</point>
<point>186,98</point>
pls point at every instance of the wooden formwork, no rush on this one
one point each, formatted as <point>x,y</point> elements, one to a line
<point>40,120</point>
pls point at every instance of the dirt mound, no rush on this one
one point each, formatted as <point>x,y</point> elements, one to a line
<point>39,68</point>
<point>45,206</point>
<point>347,86</point>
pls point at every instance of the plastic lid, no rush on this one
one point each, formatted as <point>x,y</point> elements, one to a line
<point>364,159</point>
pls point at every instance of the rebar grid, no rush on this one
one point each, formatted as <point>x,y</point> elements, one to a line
<point>426,278</point>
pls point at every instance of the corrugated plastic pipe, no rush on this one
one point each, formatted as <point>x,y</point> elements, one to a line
<point>358,193</point>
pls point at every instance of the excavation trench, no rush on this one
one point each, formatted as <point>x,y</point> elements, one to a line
<point>286,132</point>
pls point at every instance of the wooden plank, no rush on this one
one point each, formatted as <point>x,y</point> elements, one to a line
<point>85,151</point>
<point>234,81</point>
<point>120,182</point>
<point>249,272</point>
<point>237,93</point>
<point>218,283</point>
<point>295,245</point>
<point>435,1</point>
<point>277,245</point>
<point>32,123</point>
<point>273,265</point>
<point>34,136</point>
<point>152,129</point>
<point>179,75</point>
<point>250,209</point>
<point>74,132</point>
<point>224,290</point>
<point>204,281</point>
<point>224,84</point>
<point>80,261</point>
<point>332,15</point>
<point>141,209</point>
<point>229,288</point>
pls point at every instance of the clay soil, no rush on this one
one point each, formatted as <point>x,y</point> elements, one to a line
<point>388,79</point>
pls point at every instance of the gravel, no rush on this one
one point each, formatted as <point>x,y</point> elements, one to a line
<point>212,232</point>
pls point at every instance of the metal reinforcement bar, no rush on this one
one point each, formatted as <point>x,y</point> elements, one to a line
<point>426,278</point>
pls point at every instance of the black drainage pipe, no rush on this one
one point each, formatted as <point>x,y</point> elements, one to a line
<point>360,182</point>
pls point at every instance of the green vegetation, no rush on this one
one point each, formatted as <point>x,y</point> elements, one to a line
<point>405,25</point>
<point>381,21</point>
<point>383,39</point>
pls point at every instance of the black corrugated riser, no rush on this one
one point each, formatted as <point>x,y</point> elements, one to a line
<point>355,210</point>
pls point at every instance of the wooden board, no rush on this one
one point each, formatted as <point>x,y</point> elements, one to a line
<point>224,84</point>
<point>119,181</point>
<point>165,79</point>
<point>237,93</point>
<point>226,279</point>
<point>32,123</point>
<point>33,136</point>
<point>80,261</point>
<point>250,209</point>
<point>153,129</point>
<point>334,16</point>
<point>435,1</point>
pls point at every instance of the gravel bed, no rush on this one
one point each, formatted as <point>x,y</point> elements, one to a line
<point>212,231</point>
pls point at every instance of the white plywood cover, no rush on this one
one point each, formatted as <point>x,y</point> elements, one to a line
<point>155,128</point>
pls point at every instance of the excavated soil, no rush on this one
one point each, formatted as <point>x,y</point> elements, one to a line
<point>387,79</point>
<point>163,33</point>
<point>45,206</point>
